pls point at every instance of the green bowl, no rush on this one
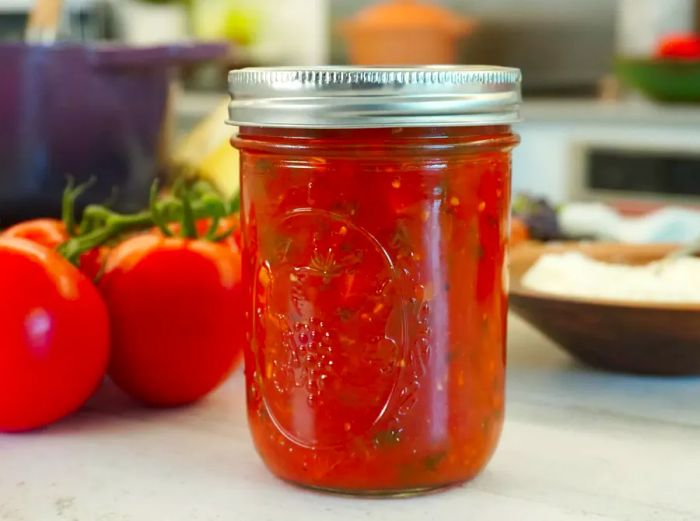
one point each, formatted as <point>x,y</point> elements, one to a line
<point>662,79</point>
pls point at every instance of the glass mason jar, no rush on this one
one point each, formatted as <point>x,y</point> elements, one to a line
<point>375,208</point>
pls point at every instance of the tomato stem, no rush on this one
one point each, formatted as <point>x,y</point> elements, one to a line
<point>189,229</point>
<point>115,225</point>
<point>211,233</point>
<point>235,203</point>
<point>100,225</point>
<point>70,196</point>
<point>156,215</point>
<point>220,237</point>
<point>67,205</point>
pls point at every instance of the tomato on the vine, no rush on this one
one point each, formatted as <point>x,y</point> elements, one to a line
<point>47,232</point>
<point>51,233</point>
<point>54,336</point>
<point>176,309</point>
<point>92,261</point>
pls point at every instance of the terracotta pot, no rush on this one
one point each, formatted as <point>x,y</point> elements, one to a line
<point>404,32</point>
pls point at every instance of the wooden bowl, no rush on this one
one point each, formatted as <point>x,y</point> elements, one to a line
<point>634,337</point>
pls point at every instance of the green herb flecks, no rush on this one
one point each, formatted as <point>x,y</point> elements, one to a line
<point>387,438</point>
<point>433,461</point>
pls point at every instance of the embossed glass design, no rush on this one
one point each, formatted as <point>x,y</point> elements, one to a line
<point>374,261</point>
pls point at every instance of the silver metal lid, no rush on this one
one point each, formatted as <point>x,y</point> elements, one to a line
<point>364,97</point>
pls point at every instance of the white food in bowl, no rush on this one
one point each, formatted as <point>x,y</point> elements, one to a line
<point>573,274</point>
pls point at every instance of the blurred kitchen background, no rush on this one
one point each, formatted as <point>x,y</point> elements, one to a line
<point>603,119</point>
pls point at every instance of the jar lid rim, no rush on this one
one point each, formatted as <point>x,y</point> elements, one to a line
<point>361,97</point>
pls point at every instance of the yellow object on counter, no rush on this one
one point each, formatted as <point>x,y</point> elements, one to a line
<point>206,151</point>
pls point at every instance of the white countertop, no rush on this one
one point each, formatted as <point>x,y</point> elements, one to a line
<point>578,445</point>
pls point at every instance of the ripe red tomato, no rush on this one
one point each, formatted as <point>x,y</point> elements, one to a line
<point>47,232</point>
<point>176,311</point>
<point>92,261</point>
<point>518,231</point>
<point>52,233</point>
<point>54,336</point>
<point>683,46</point>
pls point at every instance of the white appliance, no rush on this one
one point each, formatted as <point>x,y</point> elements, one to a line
<point>142,23</point>
<point>295,32</point>
<point>640,24</point>
<point>281,32</point>
<point>630,152</point>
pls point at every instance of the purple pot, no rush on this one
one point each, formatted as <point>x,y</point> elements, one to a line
<point>84,111</point>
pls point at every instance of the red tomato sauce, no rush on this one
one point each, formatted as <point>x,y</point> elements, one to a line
<point>374,264</point>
